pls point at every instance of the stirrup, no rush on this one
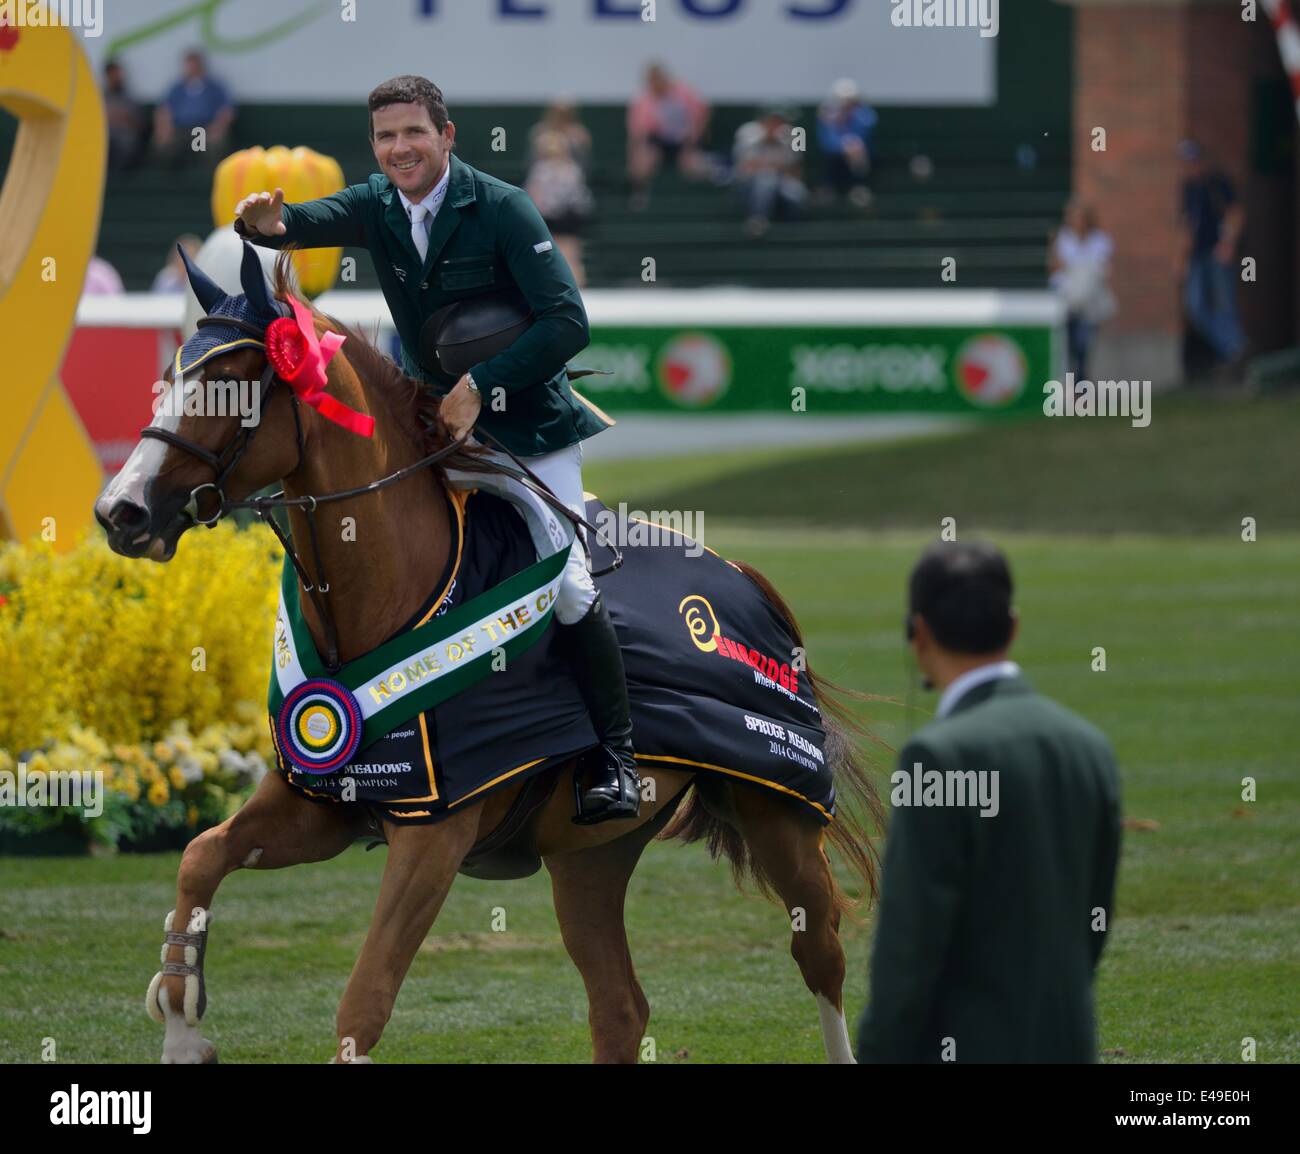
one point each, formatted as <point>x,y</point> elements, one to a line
<point>625,806</point>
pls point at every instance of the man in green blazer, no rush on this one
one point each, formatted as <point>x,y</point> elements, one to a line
<point>440,231</point>
<point>1000,862</point>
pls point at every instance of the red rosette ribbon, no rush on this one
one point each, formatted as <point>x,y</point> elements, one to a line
<point>299,358</point>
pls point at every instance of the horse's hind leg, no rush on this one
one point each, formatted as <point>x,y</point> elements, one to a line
<point>787,849</point>
<point>274,828</point>
<point>589,887</point>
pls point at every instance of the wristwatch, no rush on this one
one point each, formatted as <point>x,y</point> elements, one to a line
<point>473,384</point>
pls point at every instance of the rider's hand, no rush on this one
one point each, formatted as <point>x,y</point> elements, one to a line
<point>261,213</point>
<point>460,408</point>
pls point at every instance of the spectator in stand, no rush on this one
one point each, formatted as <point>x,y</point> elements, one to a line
<point>126,119</point>
<point>172,277</point>
<point>845,127</point>
<point>768,170</point>
<point>196,100</point>
<point>1212,221</point>
<point>665,125</point>
<point>557,186</point>
<point>562,117</point>
<point>1079,263</point>
<point>102,279</point>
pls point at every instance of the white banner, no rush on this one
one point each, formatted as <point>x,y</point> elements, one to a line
<point>531,51</point>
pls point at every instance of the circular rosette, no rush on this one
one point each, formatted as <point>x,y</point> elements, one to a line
<point>286,348</point>
<point>319,726</point>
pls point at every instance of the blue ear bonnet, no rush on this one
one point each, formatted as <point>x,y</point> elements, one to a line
<point>255,307</point>
<point>212,340</point>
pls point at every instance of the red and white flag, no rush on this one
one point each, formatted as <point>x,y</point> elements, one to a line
<point>1283,16</point>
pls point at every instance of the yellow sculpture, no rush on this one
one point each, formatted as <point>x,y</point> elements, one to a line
<point>304,175</point>
<point>49,221</point>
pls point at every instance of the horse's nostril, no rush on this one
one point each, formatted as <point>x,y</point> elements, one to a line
<point>127,517</point>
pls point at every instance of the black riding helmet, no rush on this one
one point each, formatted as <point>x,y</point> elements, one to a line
<point>463,333</point>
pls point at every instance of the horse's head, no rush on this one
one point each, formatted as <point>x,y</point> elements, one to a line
<point>201,449</point>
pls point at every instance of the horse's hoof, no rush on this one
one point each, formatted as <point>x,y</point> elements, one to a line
<point>199,1052</point>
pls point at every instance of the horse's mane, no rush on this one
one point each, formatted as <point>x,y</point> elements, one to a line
<point>416,410</point>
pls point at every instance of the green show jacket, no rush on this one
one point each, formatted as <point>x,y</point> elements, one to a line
<point>488,235</point>
<point>990,928</point>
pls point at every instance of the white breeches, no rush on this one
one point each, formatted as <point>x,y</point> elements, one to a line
<point>562,473</point>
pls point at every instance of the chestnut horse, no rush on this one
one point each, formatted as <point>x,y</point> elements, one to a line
<point>373,592</point>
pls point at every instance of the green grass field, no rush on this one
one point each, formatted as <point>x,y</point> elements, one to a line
<point>1121,538</point>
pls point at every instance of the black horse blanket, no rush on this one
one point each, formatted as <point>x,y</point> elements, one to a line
<point>714,680</point>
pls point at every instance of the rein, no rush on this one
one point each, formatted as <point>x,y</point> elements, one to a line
<point>224,462</point>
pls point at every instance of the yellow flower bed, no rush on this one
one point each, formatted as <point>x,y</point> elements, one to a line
<point>92,639</point>
<point>153,674</point>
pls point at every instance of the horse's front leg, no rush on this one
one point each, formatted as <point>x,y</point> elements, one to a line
<point>422,864</point>
<point>275,827</point>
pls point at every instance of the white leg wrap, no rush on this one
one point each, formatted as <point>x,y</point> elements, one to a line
<point>835,1033</point>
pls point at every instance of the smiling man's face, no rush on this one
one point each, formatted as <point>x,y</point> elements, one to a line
<point>409,149</point>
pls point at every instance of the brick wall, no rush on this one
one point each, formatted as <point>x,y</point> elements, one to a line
<point>1131,78</point>
<point>1152,73</point>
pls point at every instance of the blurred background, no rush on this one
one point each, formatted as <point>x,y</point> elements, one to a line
<point>919,228</point>
<point>1072,188</point>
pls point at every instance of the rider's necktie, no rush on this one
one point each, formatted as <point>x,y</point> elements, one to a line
<point>420,229</point>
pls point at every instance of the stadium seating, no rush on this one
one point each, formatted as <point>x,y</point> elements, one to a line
<point>989,201</point>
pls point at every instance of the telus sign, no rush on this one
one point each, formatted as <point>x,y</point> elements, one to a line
<point>634,9</point>
<point>521,51</point>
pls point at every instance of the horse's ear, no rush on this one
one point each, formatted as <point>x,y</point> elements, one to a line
<point>207,292</point>
<point>253,280</point>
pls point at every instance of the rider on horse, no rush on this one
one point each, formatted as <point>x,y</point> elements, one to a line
<point>440,231</point>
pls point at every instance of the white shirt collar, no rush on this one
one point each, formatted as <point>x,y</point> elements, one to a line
<point>960,686</point>
<point>434,200</point>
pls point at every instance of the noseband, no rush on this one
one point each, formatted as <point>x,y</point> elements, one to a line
<point>223,464</point>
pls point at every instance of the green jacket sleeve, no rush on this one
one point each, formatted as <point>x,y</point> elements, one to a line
<point>925,865</point>
<point>330,222</point>
<point>1106,865</point>
<point>559,330</point>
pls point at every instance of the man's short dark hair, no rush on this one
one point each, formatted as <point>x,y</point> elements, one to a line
<point>963,590</point>
<point>409,90</point>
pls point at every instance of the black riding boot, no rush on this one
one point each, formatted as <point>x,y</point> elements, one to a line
<point>597,662</point>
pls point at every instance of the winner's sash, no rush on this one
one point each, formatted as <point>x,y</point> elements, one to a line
<point>321,719</point>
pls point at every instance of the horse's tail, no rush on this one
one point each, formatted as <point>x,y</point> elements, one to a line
<point>859,810</point>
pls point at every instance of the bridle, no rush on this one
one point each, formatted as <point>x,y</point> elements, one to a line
<point>223,464</point>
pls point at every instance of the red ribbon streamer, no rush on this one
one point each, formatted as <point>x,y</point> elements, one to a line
<point>308,378</point>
